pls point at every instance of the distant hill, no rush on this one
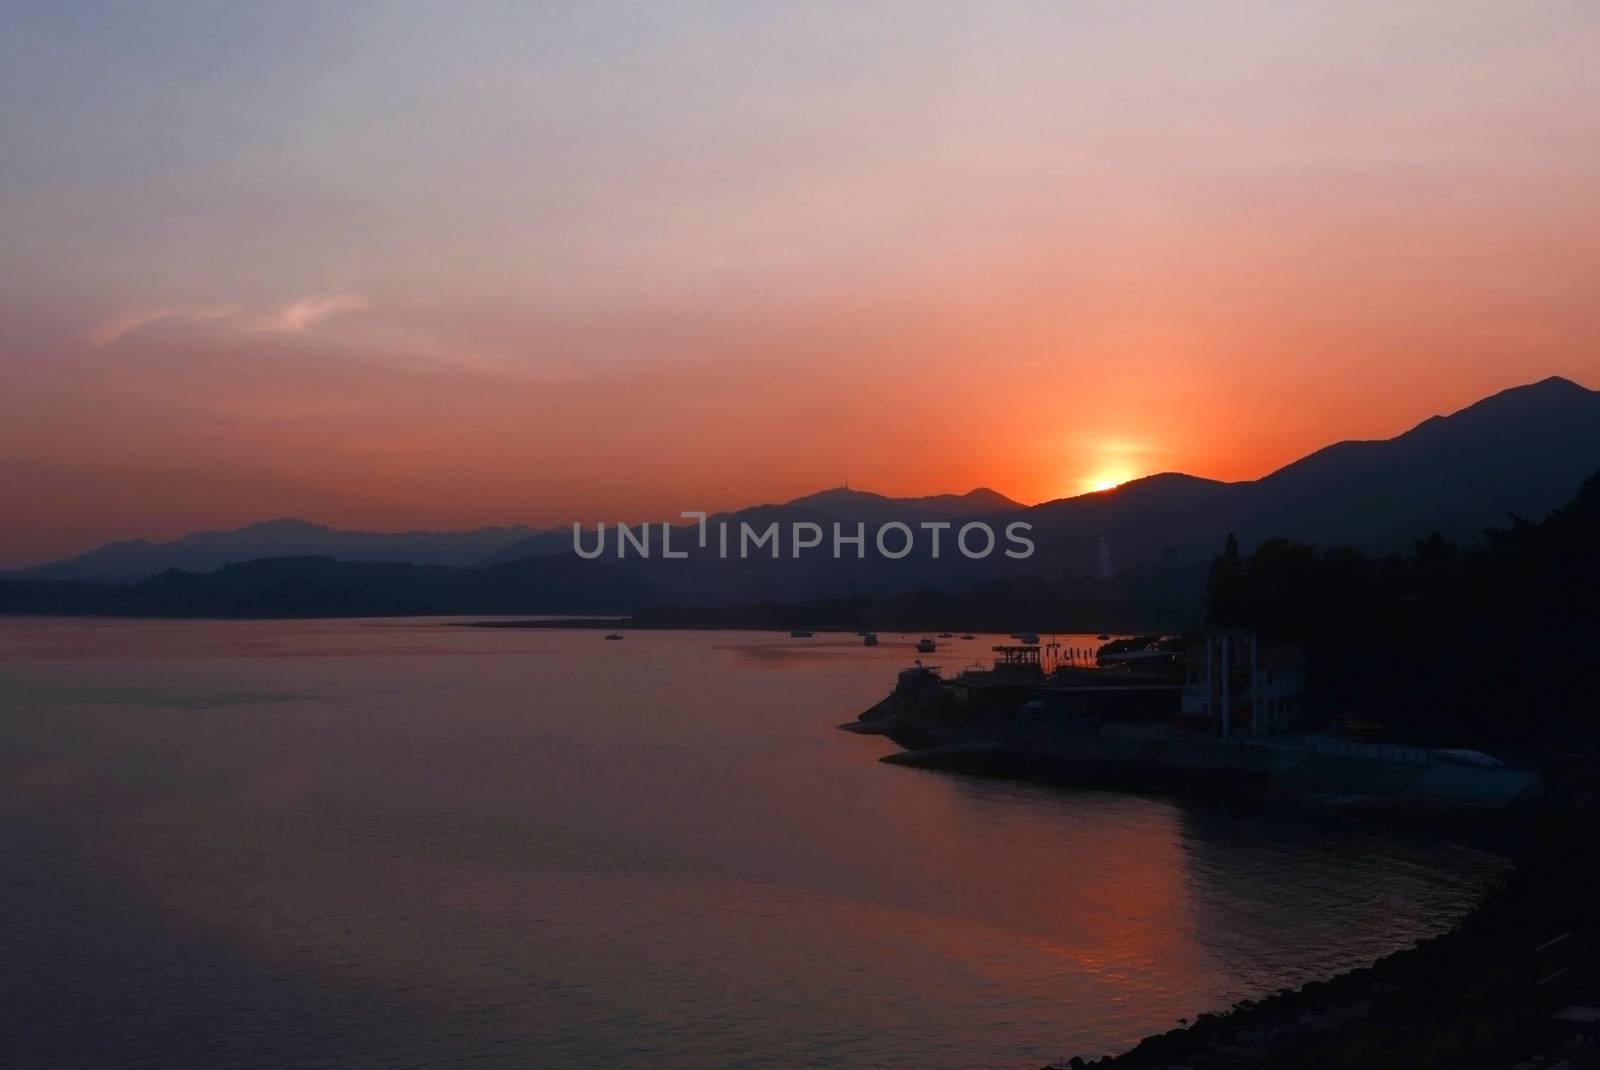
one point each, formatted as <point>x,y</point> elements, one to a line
<point>138,559</point>
<point>325,587</point>
<point>842,503</point>
<point>132,560</point>
<point>1523,451</point>
<point>824,507</point>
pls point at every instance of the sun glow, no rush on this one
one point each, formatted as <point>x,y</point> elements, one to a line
<point>1108,479</point>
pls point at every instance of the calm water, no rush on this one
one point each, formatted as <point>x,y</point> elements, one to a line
<point>380,843</point>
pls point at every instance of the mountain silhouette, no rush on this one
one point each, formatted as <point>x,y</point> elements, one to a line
<point>136,559</point>
<point>845,504</point>
<point>1523,451</point>
<point>839,504</point>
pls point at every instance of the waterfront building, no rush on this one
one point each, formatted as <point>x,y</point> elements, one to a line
<point>1242,687</point>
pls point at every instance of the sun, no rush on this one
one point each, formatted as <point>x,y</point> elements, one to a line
<point>1107,480</point>
<point>1106,468</point>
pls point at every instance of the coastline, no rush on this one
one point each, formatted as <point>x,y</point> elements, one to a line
<point>1487,992</point>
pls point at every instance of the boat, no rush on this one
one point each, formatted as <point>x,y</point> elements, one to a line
<point>1029,638</point>
<point>947,635</point>
<point>969,635</point>
<point>801,633</point>
<point>869,639</point>
<point>614,635</point>
<point>926,645</point>
<point>1103,637</point>
<point>1016,674</point>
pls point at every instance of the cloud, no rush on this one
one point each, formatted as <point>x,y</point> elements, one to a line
<point>114,330</point>
<point>304,313</point>
<point>296,317</point>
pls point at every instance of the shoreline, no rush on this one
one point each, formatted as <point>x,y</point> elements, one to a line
<point>1468,996</point>
<point>1486,992</point>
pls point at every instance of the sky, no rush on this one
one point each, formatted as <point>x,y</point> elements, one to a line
<point>392,266</point>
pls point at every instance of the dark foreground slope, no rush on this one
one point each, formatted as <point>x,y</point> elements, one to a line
<point>1491,645</point>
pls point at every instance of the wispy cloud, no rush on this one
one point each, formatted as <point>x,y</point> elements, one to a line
<point>302,314</point>
<point>116,329</point>
<point>296,317</point>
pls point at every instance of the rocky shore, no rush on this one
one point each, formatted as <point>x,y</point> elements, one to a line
<point>1501,989</point>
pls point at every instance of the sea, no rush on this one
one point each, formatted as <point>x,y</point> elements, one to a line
<point>416,843</point>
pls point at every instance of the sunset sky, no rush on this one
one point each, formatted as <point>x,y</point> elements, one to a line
<point>389,266</point>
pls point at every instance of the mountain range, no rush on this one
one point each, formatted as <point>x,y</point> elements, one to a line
<point>825,507</point>
<point>1523,451</point>
<point>130,560</point>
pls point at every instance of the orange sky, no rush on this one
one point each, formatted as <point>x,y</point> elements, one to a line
<point>611,264</point>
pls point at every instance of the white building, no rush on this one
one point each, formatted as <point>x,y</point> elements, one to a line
<point>1241,687</point>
